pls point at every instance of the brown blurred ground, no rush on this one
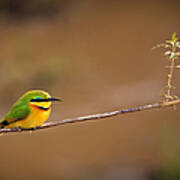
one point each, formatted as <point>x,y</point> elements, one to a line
<point>97,56</point>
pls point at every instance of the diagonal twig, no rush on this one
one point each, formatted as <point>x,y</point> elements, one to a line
<point>95,116</point>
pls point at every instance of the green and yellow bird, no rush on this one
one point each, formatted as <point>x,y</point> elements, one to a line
<point>30,111</point>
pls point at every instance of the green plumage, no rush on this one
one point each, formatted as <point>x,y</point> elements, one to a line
<point>19,111</point>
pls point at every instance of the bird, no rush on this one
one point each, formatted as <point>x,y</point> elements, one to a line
<point>30,111</point>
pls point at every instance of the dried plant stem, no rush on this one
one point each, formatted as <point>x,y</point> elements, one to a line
<point>170,76</point>
<point>95,116</point>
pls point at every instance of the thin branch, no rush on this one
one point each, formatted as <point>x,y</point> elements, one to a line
<point>170,75</point>
<point>95,116</point>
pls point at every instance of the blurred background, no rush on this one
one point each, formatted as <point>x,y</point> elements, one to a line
<point>97,56</point>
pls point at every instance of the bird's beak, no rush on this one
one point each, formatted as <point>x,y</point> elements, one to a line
<point>54,99</point>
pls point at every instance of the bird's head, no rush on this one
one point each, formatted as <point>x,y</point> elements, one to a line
<point>39,99</point>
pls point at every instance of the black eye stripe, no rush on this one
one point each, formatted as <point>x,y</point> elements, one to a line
<point>45,100</point>
<point>39,100</point>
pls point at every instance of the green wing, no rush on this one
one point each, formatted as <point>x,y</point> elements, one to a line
<point>18,112</point>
